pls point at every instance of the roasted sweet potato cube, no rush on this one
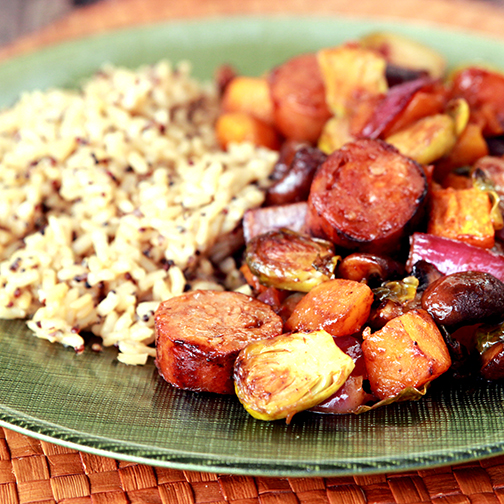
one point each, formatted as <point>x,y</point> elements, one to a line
<point>470,147</point>
<point>409,351</point>
<point>250,95</point>
<point>339,306</point>
<point>242,127</point>
<point>351,73</point>
<point>462,214</point>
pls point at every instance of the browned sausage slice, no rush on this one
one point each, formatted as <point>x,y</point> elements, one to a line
<point>365,196</point>
<point>298,93</point>
<point>200,333</point>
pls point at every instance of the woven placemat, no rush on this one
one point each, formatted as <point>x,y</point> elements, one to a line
<point>33,471</point>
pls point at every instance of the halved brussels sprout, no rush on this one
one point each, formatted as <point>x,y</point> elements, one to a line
<point>400,291</point>
<point>483,183</point>
<point>282,376</point>
<point>458,110</point>
<point>427,139</point>
<point>288,260</point>
<point>407,53</point>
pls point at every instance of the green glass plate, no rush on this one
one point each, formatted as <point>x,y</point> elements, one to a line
<point>92,403</point>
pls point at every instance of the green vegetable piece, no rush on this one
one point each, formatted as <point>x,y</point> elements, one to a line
<point>489,335</point>
<point>400,291</point>
<point>282,376</point>
<point>483,183</point>
<point>288,260</point>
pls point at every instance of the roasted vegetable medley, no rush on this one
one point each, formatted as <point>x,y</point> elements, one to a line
<point>376,263</point>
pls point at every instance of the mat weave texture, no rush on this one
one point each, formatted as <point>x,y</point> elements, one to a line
<point>33,471</point>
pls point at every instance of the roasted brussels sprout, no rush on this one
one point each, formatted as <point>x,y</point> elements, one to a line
<point>280,377</point>
<point>393,299</point>
<point>400,291</point>
<point>289,260</point>
<point>406,53</point>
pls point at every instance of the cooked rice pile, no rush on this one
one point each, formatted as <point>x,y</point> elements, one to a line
<point>111,199</point>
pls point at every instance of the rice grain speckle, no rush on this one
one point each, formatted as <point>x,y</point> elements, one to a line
<point>113,198</point>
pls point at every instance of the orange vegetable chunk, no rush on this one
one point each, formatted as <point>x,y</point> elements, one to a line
<point>424,103</point>
<point>241,127</point>
<point>470,147</point>
<point>339,306</point>
<point>462,214</point>
<point>250,95</point>
<point>409,351</point>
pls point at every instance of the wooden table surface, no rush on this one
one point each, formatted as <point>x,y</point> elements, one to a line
<point>33,471</point>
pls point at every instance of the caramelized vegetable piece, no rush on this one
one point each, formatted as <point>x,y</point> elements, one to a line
<point>465,298</point>
<point>426,273</point>
<point>280,377</point>
<point>294,186</point>
<point>369,268</point>
<point>240,127</point>
<point>493,169</point>
<point>399,75</point>
<point>395,298</point>
<point>285,156</point>
<point>249,95</point>
<point>470,147</point>
<point>299,101</point>
<point>406,53</point>
<point>289,260</point>
<point>490,345</point>
<point>341,307</point>
<point>408,352</point>
<point>335,134</point>
<point>260,220</point>
<point>200,333</point>
<point>492,362</point>
<point>426,140</point>
<point>452,256</point>
<point>401,291</point>
<point>483,89</point>
<point>351,73</point>
<point>462,214</point>
<point>366,197</point>
<point>429,100</point>
<point>352,395</point>
<point>391,106</point>
<point>289,304</point>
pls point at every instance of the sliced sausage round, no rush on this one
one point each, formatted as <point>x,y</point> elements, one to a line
<point>200,333</point>
<point>366,197</point>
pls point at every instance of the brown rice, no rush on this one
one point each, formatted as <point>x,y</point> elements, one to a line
<point>111,199</point>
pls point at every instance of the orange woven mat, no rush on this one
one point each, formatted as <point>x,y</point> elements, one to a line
<point>33,471</point>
